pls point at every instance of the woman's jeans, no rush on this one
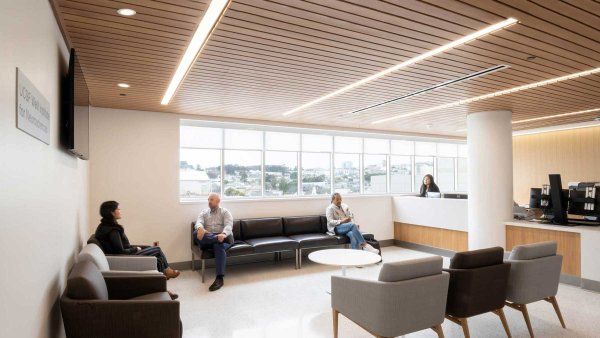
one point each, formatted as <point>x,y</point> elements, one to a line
<point>351,230</point>
<point>161,260</point>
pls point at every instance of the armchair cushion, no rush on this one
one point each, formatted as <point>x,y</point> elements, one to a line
<point>164,296</point>
<point>477,258</point>
<point>94,254</point>
<point>86,282</point>
<point>409,269</point>
<point>533,251</point>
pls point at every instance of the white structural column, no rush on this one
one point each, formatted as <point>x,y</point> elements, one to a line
<point>489,141</point>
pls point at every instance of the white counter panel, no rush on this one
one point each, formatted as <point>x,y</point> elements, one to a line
<point>445,213</point>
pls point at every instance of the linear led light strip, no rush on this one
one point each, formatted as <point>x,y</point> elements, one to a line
<point>209,22</point>
<point>557,115</point>
<point>494,94</point>
<point>433,52</point>
<point>437,86</point>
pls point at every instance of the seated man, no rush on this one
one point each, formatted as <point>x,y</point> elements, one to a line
<point>214,230</point>
<point>340,221</point>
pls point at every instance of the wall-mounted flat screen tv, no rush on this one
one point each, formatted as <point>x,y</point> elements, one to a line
<point>75,117</point>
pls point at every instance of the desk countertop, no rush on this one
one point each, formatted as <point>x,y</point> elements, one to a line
<point>578,229</point>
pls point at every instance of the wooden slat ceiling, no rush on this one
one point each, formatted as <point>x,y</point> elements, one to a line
<point>268,57</point>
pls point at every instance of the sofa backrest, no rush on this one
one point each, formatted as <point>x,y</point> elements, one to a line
<point>261,227</point>
<point>323,223</point>
<point>93,253</point>
<point>533,251</point>
<point>302,225</point>
<point>85,282</point>
<point>410,269</point>
<point>477,258</point>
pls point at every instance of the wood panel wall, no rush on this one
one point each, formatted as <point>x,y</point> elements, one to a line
<point>575,154</point>
<point>435,237</point>
<point>569,244</point>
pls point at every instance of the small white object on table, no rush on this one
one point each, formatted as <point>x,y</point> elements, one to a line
<point>344,258</point>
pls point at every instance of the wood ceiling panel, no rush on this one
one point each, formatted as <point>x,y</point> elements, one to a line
<point>268,57</point>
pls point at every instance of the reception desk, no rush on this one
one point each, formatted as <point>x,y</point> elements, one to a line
<point>434,222</point>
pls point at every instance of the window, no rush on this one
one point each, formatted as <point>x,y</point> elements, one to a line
<point>251,161</point>
<point>281,173</point>
<point>346,173</point>
<point>316,173</point>
<point>243,176</point>
<point>462,177</point>
<point>199,172</point>
<point>423,166</point>
<point>375,174</point>
<point>401,174</point>
<point>445,174</point>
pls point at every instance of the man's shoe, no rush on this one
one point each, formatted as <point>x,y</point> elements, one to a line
<point>173,295</point>
<point>216,285</point>
<point>368,247</point>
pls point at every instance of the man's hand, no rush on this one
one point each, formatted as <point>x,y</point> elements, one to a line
<point>200,233</point>
<point>346,220</point>
<point>221,237</point>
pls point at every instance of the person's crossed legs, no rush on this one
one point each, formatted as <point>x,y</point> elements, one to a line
<point>351,230</point>
<point>210,241</point>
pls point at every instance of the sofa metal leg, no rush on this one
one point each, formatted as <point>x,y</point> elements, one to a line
<point>203,269</point>
<point>299,258</point>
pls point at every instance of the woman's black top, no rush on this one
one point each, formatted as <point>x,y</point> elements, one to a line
<point>111,236</point>
<point>432,188</point>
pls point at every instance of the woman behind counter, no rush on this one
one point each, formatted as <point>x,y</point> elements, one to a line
<point>111,236</point>
<point>428,186</point>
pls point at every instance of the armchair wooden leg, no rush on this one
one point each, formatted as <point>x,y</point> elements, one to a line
<point>552,300</point>
<point>523,309</point>
<point>438,329</point>
<point>462,322</point>
<point>500,313</point>
<point>336,314</point>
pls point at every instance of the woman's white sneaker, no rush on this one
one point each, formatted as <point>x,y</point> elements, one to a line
<point>370,248</point>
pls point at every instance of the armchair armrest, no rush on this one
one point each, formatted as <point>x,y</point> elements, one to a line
<point>125,287</point>
<point>131,263</point>
<point>121,318</point>
<point>117,273</point>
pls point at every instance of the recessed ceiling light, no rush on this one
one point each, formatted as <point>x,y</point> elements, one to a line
<point>433,52</point>
<point>123,85</point>
<point>494,94</point>
<point>557,115</point>
<point>211,18</point>
<point>126,12</point>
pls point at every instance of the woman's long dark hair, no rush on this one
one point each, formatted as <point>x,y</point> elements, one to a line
<point>432,186</point>
<point>106,210</point>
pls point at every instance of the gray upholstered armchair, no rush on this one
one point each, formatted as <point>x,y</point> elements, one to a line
<point>534,276</point>
<point>409,296</point>
<point>94,306</point>
<point>118,265</point>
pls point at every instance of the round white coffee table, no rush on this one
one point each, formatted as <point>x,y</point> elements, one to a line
<point>344,258</point>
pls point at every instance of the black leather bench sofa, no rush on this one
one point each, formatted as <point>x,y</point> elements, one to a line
<point>274,235</point>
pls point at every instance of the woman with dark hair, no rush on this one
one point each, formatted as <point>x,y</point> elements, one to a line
<point>111,236</point>
<point>428,186</point>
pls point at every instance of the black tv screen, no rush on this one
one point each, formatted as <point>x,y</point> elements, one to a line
<point>75,117</point>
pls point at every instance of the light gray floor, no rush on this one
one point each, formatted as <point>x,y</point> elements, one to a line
<point>273,300</point>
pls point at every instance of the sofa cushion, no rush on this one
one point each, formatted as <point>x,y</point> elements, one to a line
<point>342,239</point>
<point>301,225</point>
<point>533,251</point>
<point>156,296</point>
<point>86,282</point>
<point>272,244</point>
<point>314,240</point>
<point>261,227</point>
<point>323,223</point>
<point>410,269</point>
<point>237,230</point>
<point>94,254</point>
<point>477,258</point>
<point>240,248</point>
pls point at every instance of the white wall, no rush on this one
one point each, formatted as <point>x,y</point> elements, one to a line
<point>136,162</point>
<point>43,190</point>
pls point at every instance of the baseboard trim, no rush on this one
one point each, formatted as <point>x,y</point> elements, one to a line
<point>259,258</point>
<point>583,283</point>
